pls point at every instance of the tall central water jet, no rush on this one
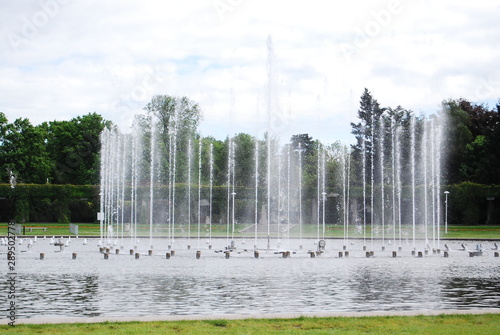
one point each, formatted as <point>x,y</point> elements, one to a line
<point>268,140</point>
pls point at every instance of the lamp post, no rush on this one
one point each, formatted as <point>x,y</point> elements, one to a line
<point>446,212</point>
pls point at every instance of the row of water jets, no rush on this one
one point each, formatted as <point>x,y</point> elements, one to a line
<point>400,183</point>
<point>31,241</point>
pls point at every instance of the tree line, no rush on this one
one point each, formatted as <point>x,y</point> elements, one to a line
<point>55,152</point>
<point>462,156</point>
<point>67,152</point>
<point>472,133</point>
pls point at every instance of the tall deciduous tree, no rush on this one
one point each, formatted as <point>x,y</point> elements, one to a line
<point>309,158</point>
<point>74,148</point>
<point>182,113</point>
<point>244,154</point>
<point>480,162</point>
<point>178,120</point>
<point>23,152</point>
<point>459,135</point>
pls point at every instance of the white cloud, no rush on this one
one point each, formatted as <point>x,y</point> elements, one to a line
<point>60,59</point>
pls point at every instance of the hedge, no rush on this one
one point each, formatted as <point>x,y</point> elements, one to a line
<point>48,203</point>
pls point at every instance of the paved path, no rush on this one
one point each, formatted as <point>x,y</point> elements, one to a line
<point>247,316</point>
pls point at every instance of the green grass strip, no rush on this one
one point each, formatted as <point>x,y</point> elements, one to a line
<point>484,324</point>
<point>218,230</point>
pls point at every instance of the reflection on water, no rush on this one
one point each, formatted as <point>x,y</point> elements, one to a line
<point>57,295</point>
<point>122,286</point>
<point>463,292</point>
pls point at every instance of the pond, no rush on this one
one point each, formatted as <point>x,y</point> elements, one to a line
<point>92,286</point>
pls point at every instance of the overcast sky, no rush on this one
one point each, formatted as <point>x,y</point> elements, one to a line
<point>64,58</point>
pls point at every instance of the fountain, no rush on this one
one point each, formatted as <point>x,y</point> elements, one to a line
<point>147,184</point>
<point>141,196</point>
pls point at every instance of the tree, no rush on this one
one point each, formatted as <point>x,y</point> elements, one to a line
<point>480,162</point>
<point>178,120</point>
<point>333,164</point>
<point>306,143</point>
<point>400,119</point>
<point>244,155</point>
<point>177,117</point>
<point>458,136</point>
<point>475,164</point>
<point>4,124</point>
<point>369,114</point>
<point>23,152</point>
<point>309,158</point>
<point>74,147</point>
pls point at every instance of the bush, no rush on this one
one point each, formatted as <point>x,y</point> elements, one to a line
<point>467,204</point>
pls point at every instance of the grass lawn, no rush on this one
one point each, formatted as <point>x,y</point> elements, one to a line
<point>54,229</point>
<point>473,232</point>
<point>218,230</point>
<point>443,325</point>
<point>465,232</point>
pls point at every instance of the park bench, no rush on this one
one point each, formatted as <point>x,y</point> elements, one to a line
<point>42,228</point>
